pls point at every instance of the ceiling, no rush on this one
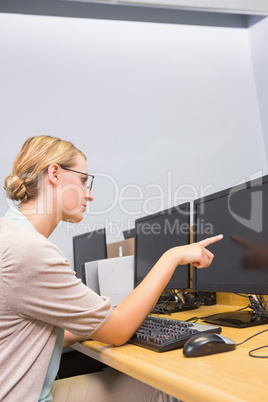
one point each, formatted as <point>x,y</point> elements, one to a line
<point>227,13</point>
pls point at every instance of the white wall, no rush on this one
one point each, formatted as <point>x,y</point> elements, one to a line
<point>167,110</point>
<point>258,35</point>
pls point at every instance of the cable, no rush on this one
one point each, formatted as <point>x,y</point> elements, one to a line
<point>242,308</point>
<point>194,319</point>
<point>238,344</point>
<point>254,350</point>
<point>242,295</point>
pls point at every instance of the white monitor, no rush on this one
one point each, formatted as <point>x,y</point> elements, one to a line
<point>90,275</point>
<point>116,278</point>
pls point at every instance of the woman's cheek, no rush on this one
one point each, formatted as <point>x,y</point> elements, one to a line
<point>70,200</point>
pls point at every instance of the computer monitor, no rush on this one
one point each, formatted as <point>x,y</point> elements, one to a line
<point>129,233</point>
<point>240,263</point>
<point>87,247</point>
<point>157,233</point>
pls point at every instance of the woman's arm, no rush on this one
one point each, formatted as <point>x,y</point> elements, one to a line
<point>70,339</point>
<point>132,311</point>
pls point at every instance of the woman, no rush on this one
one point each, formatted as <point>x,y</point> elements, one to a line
<point>43,305</point>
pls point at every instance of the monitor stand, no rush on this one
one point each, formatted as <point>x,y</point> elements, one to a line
<point>258,315</point>
<point>172,301</point>
<point>172,307</point>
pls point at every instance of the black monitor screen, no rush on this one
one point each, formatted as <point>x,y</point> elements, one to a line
<point>87,247</point>
<point>157,233</point>
<point>241,259</point>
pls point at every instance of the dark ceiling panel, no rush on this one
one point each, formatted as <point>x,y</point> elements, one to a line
<point>81,9</point>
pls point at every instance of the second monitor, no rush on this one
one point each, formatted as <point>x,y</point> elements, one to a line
<point>157,233</point>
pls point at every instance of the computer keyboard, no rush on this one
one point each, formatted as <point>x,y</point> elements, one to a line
<point>163,334</point>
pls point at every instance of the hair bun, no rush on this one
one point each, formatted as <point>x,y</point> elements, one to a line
<point>15,188</point>
<point>32,162</point>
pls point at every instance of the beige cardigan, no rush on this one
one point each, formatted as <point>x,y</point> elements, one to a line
<point>38,293</point>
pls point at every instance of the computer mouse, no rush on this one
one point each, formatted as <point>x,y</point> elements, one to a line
<point>207,344</point>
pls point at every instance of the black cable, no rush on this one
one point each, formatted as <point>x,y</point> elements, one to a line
<point>243,308</point>
<point>238,344</point>
<point>164,304</point>
<point>194,319</point>
<point>242,295</point>
<point>253,350</point>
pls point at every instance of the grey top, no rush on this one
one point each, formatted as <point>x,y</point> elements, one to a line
<point>39,293</point>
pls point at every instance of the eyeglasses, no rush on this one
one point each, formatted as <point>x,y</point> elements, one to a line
<point>89,179</point>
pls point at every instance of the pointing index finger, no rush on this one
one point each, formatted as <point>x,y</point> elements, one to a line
<point>211,240</point>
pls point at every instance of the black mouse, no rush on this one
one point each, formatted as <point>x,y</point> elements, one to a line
<point>207,344</point>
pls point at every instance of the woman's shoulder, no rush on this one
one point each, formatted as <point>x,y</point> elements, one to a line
<point>13,230</point>
<point>24,240</point>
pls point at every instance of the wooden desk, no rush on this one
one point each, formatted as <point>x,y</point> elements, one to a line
<point>230,376</point>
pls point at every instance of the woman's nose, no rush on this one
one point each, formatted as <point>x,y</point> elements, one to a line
<point>89,196</point>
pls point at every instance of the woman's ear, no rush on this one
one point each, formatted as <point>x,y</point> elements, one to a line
<point>54,174</point>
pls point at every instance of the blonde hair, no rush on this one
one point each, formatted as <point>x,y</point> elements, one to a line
<point>36,154</point>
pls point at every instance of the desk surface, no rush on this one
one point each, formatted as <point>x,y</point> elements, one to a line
<point>230,376</point>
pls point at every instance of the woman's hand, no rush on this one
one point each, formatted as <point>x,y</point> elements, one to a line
<point>195,253</point>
